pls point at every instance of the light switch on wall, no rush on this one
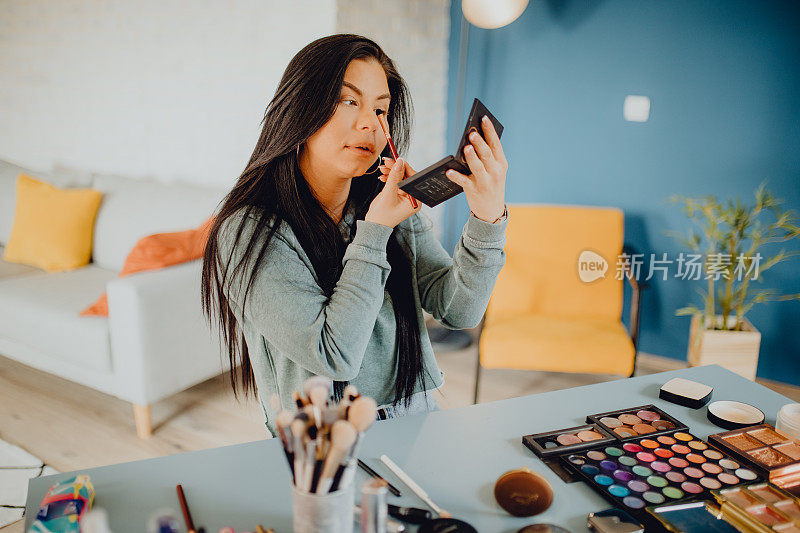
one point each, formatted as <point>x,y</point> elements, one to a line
<point>636,108</point>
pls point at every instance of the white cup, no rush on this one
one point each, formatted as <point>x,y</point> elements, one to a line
<point>323,513</point>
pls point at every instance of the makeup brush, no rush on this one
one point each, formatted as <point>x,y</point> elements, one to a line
<point>298,400</point>
<point>411,484</point>
<point>317,381</point>
<point>343,435</point>
<point>284,421</point>
<point>362,413</point>
<point>298,428</point>
<point>311,459</point>
<point>386,132</point>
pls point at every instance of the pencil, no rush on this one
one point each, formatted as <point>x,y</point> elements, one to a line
<point>187,516</point>
<point>374,474</point>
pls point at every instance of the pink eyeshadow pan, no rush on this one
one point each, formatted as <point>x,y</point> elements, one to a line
<point>789,508</point>
<point>566,439</point>
<point>648,416</point>
<point>765,515</point>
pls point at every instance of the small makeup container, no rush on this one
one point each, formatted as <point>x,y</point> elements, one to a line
<point>788,421</point>
<point>734,415</point>
<point>636,422</point>
<point>323,513</point>
<point>760,507</point>
<point>523,492</point>
<point>686,393</point>
<point>771,453</point>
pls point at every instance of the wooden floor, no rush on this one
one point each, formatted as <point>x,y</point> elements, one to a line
<point>73,427</point>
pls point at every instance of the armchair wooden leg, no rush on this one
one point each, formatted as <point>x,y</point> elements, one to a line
<point>477,378</point>
<point>141,414</point>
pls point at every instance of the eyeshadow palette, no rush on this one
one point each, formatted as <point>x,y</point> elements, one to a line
<point>635,422</point>
<point>657,469</point>
<point>773,453</point>
<point>565,440</point>
<point>760,507</point>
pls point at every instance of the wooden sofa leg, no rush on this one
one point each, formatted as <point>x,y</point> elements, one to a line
<point>141,414</point>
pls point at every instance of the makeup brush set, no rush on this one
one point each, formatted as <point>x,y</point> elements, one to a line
<point>321,439</point>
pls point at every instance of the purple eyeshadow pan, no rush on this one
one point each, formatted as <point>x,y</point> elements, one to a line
<point>633,502</point>
<point>608,465</point>
<point>623,475</point>
<point>638,486</point>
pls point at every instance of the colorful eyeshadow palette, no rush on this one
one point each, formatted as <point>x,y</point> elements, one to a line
<point>769,451</point>
<point>566,440</point>
<point>636,422</point>
<point>657,469</point>
<point>760,507</point>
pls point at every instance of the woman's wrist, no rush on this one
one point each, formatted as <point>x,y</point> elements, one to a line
<point>493,219</point>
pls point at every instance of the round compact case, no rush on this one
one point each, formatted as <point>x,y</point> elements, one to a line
<point>523,492</point>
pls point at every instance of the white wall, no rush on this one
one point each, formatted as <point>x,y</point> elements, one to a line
<point>174,90</point>
<point>167,89</point>
<point>414,33</point>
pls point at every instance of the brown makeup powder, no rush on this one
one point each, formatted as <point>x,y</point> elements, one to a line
<point>790,448</point>
<point>769,457</point>
<point>589,435</point>
<point>742,441</point>
<point>767,436</point>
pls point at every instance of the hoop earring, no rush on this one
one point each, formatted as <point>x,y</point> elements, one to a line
<point>377,163</point>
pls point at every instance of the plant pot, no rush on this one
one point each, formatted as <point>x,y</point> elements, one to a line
<point>735,350</point>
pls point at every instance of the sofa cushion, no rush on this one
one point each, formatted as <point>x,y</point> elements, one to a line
<point>133,209</point>
<point>42,311</point>
<point>15,269</point>
<point>53,226</point>
<point>59,176</point>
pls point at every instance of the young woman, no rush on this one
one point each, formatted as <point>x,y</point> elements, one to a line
<point>317,264</point>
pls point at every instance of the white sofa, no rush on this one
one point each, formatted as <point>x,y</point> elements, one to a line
<point>155,341</point>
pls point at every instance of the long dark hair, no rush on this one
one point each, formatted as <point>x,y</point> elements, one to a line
<point>273,186</point>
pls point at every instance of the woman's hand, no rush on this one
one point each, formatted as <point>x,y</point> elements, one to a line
<point>392,205</point>
<point>486,186</point>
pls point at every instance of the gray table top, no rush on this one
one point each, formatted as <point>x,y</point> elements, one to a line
<point>455,455</point>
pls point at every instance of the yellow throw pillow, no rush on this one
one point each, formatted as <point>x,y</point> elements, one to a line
<point>53,227</point>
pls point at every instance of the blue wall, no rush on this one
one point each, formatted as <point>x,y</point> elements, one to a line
<point>724,81</point>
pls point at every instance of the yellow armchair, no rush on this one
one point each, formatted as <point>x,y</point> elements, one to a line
<point>542,315</point>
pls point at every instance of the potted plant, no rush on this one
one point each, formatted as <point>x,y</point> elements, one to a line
<point>729,241</point>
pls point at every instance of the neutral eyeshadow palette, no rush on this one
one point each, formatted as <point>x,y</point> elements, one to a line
<point>769,451</point>
<point>657,469</point>
<point>635,422</point>
<point>562,441</point>
<point>760,507</point>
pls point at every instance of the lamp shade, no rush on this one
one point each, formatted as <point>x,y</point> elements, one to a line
<point>490,14</point>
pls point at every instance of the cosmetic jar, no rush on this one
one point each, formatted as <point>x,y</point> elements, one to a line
<point>788,421</point>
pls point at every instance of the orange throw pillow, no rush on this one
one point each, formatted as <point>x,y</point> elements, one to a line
<point>158,251</point>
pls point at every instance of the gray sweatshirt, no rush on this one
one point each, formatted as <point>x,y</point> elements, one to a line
<point>293,330</point>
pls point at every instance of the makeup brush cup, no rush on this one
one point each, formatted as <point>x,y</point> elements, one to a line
<point>323,513</point>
